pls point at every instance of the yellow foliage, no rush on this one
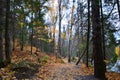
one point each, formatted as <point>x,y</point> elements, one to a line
<point>50,40</point>
<point>46,40</point>
<point>21,24</point>
<point>53,30</point>
<point>51,9</point>
<point>63,35</point>
<point>117,50</point>
<point>42,39</point>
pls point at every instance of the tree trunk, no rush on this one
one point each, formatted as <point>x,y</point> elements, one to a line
<point>1,30</point>
<point>118,8</point>
<point>59,40</point>
<point>13,30</point>
<point>99,64</point>
<point>70,33</point>
<point>31,40</point>
<point>81,21</point>
<point>21,37</point>
<point>13,36</point>
<point>102,31</point>
<point>7,34</point>
<point>69,49</point>
<point>80,56</point>
<point>78,28</point>
<point>31,36</point>
<point>54,41</point>
<point>88,34</point>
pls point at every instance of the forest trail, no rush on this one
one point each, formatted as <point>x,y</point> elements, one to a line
<point>70,71</point>
<point>66,71</point>
<point>46,67</point>
<point>62,71</point>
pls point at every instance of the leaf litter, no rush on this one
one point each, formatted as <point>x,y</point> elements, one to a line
<point>25,66</point>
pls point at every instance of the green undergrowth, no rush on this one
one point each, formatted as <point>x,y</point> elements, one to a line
<point>43,59</point>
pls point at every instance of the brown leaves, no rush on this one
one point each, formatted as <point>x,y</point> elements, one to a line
<point>117,50</point>
<point>6,74</point>
<point>54,69</point>
<point>113,76</point>
<point>68,71</point>
<point>1,74</point>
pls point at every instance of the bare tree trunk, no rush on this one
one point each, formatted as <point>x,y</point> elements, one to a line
<point>78,40</point>
<point>102,30</point>
<point>21,37</point>
<point>22,34</point>
<point>1,31</point>
<point>99,64</point>
<point>70,33</point>
<point>7,33</point>
<point>78,29</point>
<point>84,52</point>
<point>31,40</point>
<point>69,46</point>
<point>59,40</point>
<point>88,34</point>
<point>13,29</point>
<point>81,21</point>
<point>31,36</point>
<point>13,36</point>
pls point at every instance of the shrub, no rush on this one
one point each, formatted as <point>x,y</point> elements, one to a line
<point>44,59</point>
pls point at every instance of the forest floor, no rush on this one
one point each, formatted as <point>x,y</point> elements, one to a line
<point>70,71</point>
<point>41,66</point>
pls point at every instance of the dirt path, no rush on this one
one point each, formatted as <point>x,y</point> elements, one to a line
<point>70,71</point>
<point>64,71</point>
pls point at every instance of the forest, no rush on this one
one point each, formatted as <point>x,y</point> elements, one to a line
<point>59,39</point>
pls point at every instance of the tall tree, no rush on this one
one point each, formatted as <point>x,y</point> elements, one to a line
<point>13,32</point>
<point>1,30</point>
<point>102,30</point>
<point>99,64</point>
<point>60,18</point>
<point>31,36</point>
<point>70,33</point>
<point>7,33</point>
<point>88,34</point>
